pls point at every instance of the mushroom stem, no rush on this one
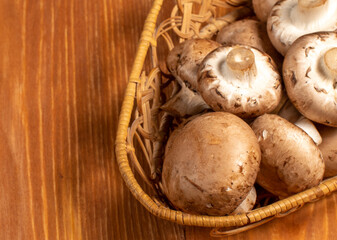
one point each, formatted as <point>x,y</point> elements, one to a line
<point>241,63</point>
<point>307,126</point>
<point>329,62</point>
<point>308,11</point>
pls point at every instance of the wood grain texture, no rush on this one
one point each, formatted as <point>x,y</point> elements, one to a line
<point>64,66</point>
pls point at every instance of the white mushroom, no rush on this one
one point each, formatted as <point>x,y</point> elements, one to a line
<point>241,80</point>
<point>262,8</point>
<point>290,19</point>
<point>310,76</point>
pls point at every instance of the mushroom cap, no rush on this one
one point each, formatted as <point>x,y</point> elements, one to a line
<point>246,97</point>
<point>210,164</point>
<point>285,25</point>
<point>290,161</point>
<point>252,33</point>
<point>312,91</point>
<point>262,8</point>
<point>328,148</point>
<point>184,59</point>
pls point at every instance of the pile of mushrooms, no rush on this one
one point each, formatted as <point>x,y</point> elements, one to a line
<point>255,110</point>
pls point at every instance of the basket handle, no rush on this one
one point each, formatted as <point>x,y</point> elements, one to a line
<point>224,232</point>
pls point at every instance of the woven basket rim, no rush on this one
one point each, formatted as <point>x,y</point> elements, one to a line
<point>278,209</point>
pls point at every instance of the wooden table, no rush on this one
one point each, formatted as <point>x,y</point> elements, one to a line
<point>64,66</point>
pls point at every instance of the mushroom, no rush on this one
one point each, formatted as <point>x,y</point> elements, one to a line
<point>185,103</point>
<point>248,203</point>
<point>241,80</point>
<point>215,24</point>
<point>310,76</point>
<point>210,164</point>
<point>328,148</point>
<point>183,62</point>
<point>290,19</point>
<point>290,161</point>
<point>262,8</point>
<point>252,33</point>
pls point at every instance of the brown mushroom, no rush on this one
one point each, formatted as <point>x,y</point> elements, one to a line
<point>262,8</point>
<point>290,161</point>
<point>210,164</point>
<point>252,33</point>
<point>241,80</point>
<point>183,62</point>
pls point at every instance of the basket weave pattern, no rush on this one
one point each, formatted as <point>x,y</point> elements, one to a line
<point>143,98</point>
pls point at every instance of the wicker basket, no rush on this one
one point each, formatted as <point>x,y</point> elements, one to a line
<point>146,134</point>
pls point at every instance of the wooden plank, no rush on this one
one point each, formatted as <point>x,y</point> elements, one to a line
<point>64,67</point>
